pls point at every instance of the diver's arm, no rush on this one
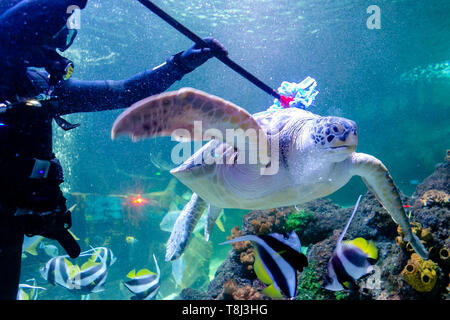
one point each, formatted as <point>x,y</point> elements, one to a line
<point>88,96</point>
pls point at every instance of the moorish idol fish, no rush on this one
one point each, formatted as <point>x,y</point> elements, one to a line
<point>144,284</point>
<point>28,292</point>
<point>350,261</point>
<point>90,278</point>
<point>105,254</point>
<point>277,260</point>
<point>101,254</point>
<point>56,271</point>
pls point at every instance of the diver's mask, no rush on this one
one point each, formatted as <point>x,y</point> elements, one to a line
<point>59,67</point>
<point>64,38</point>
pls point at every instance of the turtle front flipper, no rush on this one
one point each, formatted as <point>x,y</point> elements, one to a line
<point>192,115</point>
<point>380,183</point>
<point>184,226</point>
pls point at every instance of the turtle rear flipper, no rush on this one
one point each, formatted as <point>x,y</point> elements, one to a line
<point>184,226</point>
<point>380,183</point>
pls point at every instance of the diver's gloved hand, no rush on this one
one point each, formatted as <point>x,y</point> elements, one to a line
<point>52,224</point>
<point>195,56</point>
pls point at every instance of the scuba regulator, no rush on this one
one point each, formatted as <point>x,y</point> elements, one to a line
<point>59,67</point>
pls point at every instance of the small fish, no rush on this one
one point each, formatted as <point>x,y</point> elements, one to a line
<point>90,278</point>
<point>56,271</point>
<point>49,249</point>
<point>30,244</point>
<point>131,240</point>
<point>144,284</point>
<point>28,292</point>
<point>410,215</point>
<point>350,261</point>
<point>277,260</point>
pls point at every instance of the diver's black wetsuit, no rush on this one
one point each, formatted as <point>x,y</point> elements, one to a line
<point>31,201</point>
<point>26,133</point>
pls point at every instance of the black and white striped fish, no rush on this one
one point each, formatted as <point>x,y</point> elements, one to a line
<point>350,261</point>
<point>144,284</point>
<point>28,292</point>
<point>277,260</point>
<point>56,271</point>
<point>101,254</point>
<point>90,278</point>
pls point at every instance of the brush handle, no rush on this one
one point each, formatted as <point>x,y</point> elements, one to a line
<point>225,59</point>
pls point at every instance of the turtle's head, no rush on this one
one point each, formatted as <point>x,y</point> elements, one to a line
<point>336,136</point>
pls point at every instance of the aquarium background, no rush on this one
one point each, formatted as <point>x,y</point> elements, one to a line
<point>393,82</point>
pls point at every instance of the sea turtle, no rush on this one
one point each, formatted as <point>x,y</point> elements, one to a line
<point>310,157</point>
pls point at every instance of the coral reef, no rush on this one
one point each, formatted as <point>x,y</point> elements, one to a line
<point>297,221</point>
<point>233,269</point>
<point>229,287</point>
<point>420,274</point>
<point>262,225</point>
<point>435,198</point>
<point>309,287</point>
<point>244,248</point>
<point>263,222</point>
<point>424,234</point>
<point>240,246</point>
<point>231,291</point>
<point>247,292</point>
<point>193,294</point>
<point>435,215</point>
<point>444,256</point>
<point>247,258</point>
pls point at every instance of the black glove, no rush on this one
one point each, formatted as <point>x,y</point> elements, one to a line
<point>50,224</point>
<point>195,56</point>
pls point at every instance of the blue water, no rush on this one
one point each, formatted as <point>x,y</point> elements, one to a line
<point>393,82</point>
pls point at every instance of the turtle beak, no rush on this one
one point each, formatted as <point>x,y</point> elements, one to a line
<point>350,141</point>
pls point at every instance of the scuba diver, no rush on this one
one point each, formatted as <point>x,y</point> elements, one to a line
<point>35,88</point>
